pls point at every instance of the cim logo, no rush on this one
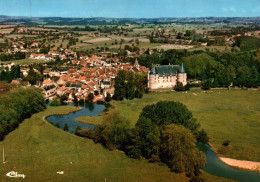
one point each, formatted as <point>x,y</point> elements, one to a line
<point>14,174</point>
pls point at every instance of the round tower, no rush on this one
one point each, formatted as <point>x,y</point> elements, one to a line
<point>182,76</point>
<point>152,79</point>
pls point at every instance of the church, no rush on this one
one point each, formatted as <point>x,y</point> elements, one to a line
<point>166,76</point>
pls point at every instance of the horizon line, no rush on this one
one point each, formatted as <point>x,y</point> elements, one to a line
<point>133,17</point>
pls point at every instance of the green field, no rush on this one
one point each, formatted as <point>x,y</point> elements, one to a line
<point>94,120</point>
<point>25,61</point>
<point>225,115</point>
<point>39,150</point>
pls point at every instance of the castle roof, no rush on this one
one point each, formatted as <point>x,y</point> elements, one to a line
<point>166,70</point>
<point>182,68</point>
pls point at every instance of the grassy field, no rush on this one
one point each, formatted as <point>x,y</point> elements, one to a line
<point>225,115</point>
<point>26,61</point>
<point>38,150</point>
<point>94,120</point>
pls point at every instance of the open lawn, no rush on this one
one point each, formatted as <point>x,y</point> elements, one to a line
<point>39,150</point>
<point>226,115</point>
<point>26,61</point>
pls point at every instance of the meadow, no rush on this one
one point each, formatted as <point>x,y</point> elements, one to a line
<point>26,61</point>
<point>224,114</point>
<point>39,150</point>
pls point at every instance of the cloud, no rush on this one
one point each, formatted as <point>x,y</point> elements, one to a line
<point>224,9</point>
<point>256,9</point>
<point>231,9</point>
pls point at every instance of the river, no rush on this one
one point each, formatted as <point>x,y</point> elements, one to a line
<point>213,166</point>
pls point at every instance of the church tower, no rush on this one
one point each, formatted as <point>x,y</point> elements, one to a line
<point>136,64</point>
<point>182,76</point>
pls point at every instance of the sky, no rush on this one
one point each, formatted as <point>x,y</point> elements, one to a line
<point>130,8</point>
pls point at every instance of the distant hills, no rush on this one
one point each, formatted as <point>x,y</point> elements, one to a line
<point>109,21</point>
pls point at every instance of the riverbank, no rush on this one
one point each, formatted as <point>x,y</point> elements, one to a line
<point>242,164</point>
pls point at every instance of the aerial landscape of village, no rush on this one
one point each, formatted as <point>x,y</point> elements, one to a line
<point>127,91</point>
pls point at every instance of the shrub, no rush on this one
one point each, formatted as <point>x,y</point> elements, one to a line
<point>202,136</point>
<point>226,143</point>
<point>66,127</point>
<point>57,125</point>
<point>55,102</point>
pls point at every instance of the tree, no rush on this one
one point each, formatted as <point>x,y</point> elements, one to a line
<point>108,98</point>
<point>66,127</point>
<point>178,150</point>
<point>202,136</point>
<point>113,132</point>
<point>206,85</point>
<point>179,87</point>
<point>90,97</point>
<point>145,140</point>
<point>168,112</point>
<point>33,76</point>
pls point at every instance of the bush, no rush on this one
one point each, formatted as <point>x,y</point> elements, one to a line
<point>206,85</point>
<point>179,87</point>
<point>108,98</point>
<point>226,143</point>
<point>57,125</point>
<point>202,136</point>
<point>55,102</point>
<point>66,127</point>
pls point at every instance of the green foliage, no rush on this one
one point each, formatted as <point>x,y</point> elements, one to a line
<point>168,112</point>
<point>206,85</point>
<point>202,136</point>
<point>6,75</point>
<point>33,76</point>
<point>17,105</point>
<point>129,85</point>
<point>226,143</point>
<point>9,57</point>
<point>108,98</point>
<point>247,43</point>
<point>66,127</point>
<point>113,132</point>
<point>178,150</point>
<point>57,125</point>
<point>179,87</point>
<point>90,97</point>
<point>145,140</point>
<point>55,102</point>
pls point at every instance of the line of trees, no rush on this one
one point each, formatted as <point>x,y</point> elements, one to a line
<point>165,132</point>
<point>17,105</point>
<point>9,57</point>
<point>6,75</point>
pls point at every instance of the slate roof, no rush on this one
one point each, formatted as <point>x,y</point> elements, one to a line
<point>165,70</point>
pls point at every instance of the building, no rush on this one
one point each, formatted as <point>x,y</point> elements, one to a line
<point>167,76</point>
